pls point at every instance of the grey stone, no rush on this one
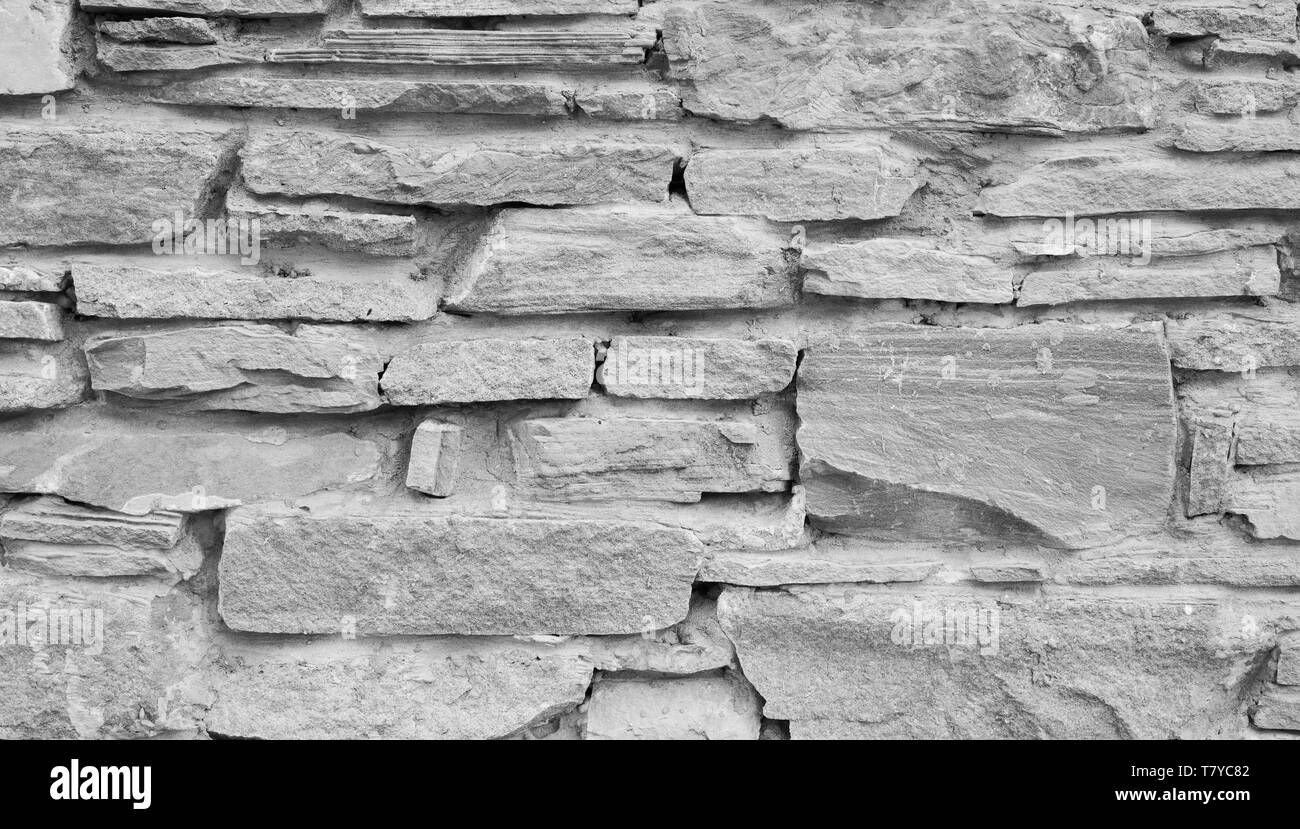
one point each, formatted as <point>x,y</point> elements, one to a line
<point>469,371</point>
<point>696,367</point>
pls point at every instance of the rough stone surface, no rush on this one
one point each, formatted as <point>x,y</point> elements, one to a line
<point>305,164</point>
<point>1061,665</point>
<point>686,708</point>
<point>800,185</point>
<point>491,369</point>
<point>695,367</point>
<point>435,456</point>
<point>882,268</point>
<point>139,469</point>
<point>51,536</point>
<point>35,53</point>
<point>136,288</point>
<point>143,177</point>
<point>675,460</point>
<point>460,575</point>
<point>926,431</point>
<point>31,321</point>
<point>533,261</point>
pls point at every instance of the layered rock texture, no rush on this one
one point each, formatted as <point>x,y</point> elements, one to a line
<point>674,369</point>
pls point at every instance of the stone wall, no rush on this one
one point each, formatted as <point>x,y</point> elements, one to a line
<point>600,369</point>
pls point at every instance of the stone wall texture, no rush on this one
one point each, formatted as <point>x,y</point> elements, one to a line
<point>649,369</point>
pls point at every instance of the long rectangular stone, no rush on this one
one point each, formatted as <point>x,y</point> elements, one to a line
<point>1249,271</point>
<point>137,468</point>
<point>284,222</point>
<point>36,53</point>
<point>127,287</point>
<point>245,367</point>
<point>945,663</point>
<point>309,163</point>
<point>801,185</point>
<point>187,30</point>
<point>373,95</point>
<point>925,64</point>
<point>479,8</point>
<point>477,576</point>
<point>1062,435</point>
<point>624,259</point>
<point>904,269</point>
<point>648,458</point>
<point>472,371</point>
<point>51,536</point>
<point>695,367</point>
<point>140,177</point>
<point>426,689</point>
<point>30,321</point>
<point>472,47</point>
<point>214,8</point>
<point>1267,19</point>
<point>1100,184</point>
<point>36,277</point>
<point>722,707</point>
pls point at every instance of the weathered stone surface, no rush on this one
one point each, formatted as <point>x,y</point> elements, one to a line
<point>799,185</point>
<point>1211,470</point>
<point>118,665</point>
<point>1060,434</point>
<point>1007,573</point>
<point>1278,709</point>
<point>479,8</point>
<point>904,269</point>
<point>401,689</point>
<point>381,95</point>
<point>309,163</point>
<point>692,646</point>
<point>1113,183</point>
<point>473,47</point>
<point>1270,500</point>
<point>189,30</point>
<point>470,371</point>
<point>1236,341</point>
<point>51,536</point>
<point>949,663</point>
<point>161,57</point>
<point>654,458</point>
<point>34,376</point>
<point>1245,135</point>
<point>1249,271</point>
<point>927,63</point>
<point>800,567</point>
<point>696,367</point>
<point>478,576</point>
<point>213,8</point>
<point>686,708</point>
<point>31,321</point>
<point>143,467</point>
<point>618,258</point>
<point>141,177</point>
<point>36,46</point>
<point>435,456</point>
<point>126,287</point>
<point>284,222</point>
<point>1244,96</point>
<point>628,104</point>
<point>1288,661</point>
<point>1266,19</point>
<point>38,277</point>
<point>256,368</point>
<point>1159,236</point>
